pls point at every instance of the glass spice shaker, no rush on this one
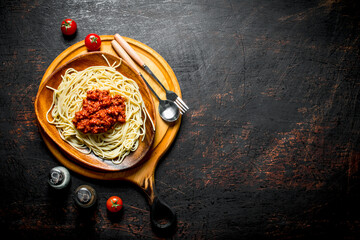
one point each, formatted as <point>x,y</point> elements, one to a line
<point>85,196</point>
<point>59,177</point>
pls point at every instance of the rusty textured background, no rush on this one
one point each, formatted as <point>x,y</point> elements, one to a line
<point>269,149</point>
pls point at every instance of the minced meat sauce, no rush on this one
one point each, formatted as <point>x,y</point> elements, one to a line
<point>100,112</point>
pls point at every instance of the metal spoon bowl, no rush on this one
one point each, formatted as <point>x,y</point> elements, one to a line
<point>168,110</point>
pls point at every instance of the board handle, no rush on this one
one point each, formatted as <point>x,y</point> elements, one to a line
<point>162,217</point>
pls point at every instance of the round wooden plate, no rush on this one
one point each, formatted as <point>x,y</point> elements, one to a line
<point>143,173</point>
<point>43,103</point>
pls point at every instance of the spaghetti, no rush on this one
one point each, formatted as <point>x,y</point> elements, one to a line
<point>114,144</point>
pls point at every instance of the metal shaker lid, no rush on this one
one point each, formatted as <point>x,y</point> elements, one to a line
<point>56,177</point>
<point>83,195</point>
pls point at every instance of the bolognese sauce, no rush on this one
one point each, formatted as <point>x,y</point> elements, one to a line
<point>100,112</point>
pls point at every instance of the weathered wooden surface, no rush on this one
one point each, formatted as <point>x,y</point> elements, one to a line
<point>270,148</point>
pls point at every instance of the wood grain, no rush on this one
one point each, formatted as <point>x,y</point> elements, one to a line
<point>141,175</point>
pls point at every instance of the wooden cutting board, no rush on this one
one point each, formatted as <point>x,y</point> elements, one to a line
<point>143,174</point>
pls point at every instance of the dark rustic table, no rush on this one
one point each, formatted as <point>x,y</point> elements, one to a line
<point>269,149</point>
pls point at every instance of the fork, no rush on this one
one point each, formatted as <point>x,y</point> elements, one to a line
<point>170,95</point>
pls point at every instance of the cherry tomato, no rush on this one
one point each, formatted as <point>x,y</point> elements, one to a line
<point>68,27</point>
<point>92,42</point>
<point>114,204</point>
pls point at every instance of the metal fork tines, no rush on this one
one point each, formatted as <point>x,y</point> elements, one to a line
<point>170,95</point>
<point>177,100</point>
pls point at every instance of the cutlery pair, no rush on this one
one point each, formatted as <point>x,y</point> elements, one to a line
<point>170,95</point>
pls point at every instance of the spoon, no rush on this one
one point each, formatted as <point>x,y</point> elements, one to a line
<point>168,110</point>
